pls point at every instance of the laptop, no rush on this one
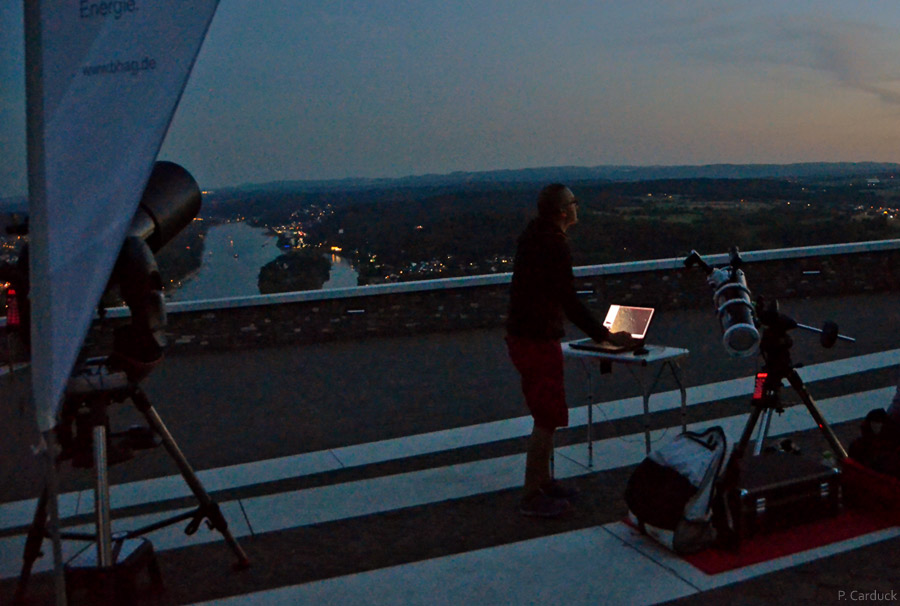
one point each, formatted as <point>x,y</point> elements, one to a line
<point>633,320</point>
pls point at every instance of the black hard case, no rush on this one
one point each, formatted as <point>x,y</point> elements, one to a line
<point>777,491</point>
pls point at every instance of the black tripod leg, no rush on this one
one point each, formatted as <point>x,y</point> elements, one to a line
<point>727,504</point>
<point>207,506</point>
<point>36,533</point>
<point>797,383</point>
<point>741,447</point>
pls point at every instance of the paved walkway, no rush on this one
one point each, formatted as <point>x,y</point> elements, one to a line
<point>413,506</point>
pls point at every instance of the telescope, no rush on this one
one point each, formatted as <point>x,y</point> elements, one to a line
<point>741,319</point>
<point>734,308</point>
<point>748,328</point>
<point>170,201</point>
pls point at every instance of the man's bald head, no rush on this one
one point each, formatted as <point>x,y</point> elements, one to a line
<point>553,200</point>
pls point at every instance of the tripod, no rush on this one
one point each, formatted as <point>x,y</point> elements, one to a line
<point>89,394</point>
<point>775,348</point>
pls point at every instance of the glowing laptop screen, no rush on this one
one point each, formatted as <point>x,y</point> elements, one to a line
<point>634,320</point>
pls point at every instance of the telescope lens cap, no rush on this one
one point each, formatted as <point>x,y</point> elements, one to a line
<point>741,340</point>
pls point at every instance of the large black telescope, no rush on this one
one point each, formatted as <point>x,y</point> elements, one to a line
<point>169,203</point>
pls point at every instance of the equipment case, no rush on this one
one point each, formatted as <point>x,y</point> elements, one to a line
<point>776,491</point>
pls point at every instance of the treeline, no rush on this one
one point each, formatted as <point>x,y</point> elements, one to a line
<point>610,238</point>
<point>392,227</point>
<point>275,206</point>
<point>731,190</point>
<point>293,271</point>
<point>618,222</point>
<point>470,228</point>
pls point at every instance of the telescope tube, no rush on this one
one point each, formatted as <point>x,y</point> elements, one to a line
<point>735,311</point>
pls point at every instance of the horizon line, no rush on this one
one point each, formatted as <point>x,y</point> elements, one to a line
<point>433,175</point>
<point>359,178</point>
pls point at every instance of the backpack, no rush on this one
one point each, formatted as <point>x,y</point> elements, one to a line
<point>670,494</point>
<point>878,448</point>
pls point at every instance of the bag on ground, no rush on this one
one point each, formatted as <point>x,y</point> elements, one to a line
<point>878,446</point>
<point>670,494</point>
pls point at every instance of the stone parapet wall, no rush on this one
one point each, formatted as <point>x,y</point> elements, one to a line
<point>481,303</point>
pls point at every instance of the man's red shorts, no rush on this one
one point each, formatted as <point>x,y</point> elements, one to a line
<point>540,363</point>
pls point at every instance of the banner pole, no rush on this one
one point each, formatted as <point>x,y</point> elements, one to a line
<point>59,578</point>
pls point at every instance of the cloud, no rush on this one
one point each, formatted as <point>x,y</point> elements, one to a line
<point>855,55</point>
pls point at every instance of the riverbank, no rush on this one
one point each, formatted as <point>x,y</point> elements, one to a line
<point>234,254</point>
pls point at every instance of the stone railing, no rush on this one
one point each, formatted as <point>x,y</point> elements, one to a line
<point>453,304</point>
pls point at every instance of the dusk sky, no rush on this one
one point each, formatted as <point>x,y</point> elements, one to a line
<point>284,89</point>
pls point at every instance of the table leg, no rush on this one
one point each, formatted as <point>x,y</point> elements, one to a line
<point>590,405</point>
<point>646,395</point>
<point>676,373</point>
<point>646,391</point>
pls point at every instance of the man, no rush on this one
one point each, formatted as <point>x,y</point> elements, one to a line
<point>542,293</point>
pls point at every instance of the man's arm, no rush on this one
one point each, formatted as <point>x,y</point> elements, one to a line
<point>564,284</point>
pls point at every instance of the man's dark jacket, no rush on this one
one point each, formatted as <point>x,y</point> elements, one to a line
<point>543,289</point>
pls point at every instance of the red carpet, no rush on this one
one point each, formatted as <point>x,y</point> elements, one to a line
<point>873,503</point>
<point>849,524</point>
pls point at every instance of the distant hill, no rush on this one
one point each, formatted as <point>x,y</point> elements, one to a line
<point>803,170</point>
<point>569,174</point>
<point>271,203</point>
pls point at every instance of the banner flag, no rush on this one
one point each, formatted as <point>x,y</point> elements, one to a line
<point>103,78</point>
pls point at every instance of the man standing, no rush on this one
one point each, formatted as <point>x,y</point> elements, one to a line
<point>541,295</point>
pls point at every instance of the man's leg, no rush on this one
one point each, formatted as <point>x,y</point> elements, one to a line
<point>537,460</point>
<point>540,365</point>
<point>535,501</point>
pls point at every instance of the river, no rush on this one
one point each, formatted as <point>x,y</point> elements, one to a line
<point>233,253</point>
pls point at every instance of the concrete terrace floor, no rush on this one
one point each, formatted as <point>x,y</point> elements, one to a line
<point>351,469</point>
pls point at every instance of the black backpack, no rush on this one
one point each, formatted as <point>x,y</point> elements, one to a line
<point>878,448</point>
<point>670,495</point>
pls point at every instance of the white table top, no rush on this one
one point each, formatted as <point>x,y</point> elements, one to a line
<point>655,353</point>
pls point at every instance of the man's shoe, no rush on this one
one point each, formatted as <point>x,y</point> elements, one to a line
<point>541,506</point>
<point>558,490</point>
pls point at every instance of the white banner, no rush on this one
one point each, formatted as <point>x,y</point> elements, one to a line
<point>103,79</point>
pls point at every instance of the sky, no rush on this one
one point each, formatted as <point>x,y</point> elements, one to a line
<point>285,90</point>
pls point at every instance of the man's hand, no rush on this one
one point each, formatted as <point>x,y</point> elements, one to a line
<point>621,339</point>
